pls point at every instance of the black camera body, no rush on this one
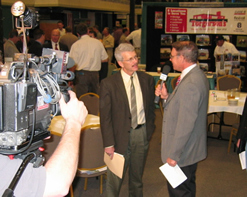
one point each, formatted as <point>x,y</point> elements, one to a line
<point>28,105</point>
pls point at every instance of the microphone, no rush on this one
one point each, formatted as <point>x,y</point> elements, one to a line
<point>166,69</point>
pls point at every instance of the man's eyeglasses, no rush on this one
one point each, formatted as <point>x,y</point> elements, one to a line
<point>131,59</point>
<point>172,56</point>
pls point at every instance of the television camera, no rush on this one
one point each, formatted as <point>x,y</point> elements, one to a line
<point>29,97</point>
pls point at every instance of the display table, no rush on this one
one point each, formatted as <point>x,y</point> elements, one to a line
<point>156,77</point>
<point>221,105</point>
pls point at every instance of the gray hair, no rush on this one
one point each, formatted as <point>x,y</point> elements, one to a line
<point>123,47</point>
<point>187,49</point>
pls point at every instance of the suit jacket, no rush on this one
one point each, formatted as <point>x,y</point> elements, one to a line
<point>62,47</point>
<point>184,131</point>
<point>115,116</point>
<point>242,130</point>
<point>36,48</point>
<point>10,49</point>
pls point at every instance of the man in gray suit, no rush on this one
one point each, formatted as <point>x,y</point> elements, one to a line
<point>184,135</point>
<point>124,131</point>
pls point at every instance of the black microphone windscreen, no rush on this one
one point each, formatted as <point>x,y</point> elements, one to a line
<point>166,69</point>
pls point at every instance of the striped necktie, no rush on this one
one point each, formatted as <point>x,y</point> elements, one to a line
<point>133,109</point>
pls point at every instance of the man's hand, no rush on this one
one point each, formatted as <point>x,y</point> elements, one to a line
<point>110,151</point>
<point>171,162</point>
<point>161,92</point>
<point>73,110</point>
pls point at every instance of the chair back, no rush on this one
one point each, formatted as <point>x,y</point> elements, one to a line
<point>228,82</point>
<point>173,82</point>
<point>91,149</point>
<point>91,101</point>
<point>111,67</point>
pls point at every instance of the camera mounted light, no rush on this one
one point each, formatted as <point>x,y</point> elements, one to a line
<point>29,15</point>
<point>18,8</point>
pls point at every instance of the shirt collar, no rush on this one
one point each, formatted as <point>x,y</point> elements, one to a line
<point>187,70</point>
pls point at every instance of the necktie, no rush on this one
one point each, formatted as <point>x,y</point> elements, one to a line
<point>56,47</point>
<point>178,80</point>
<point>133,105</point>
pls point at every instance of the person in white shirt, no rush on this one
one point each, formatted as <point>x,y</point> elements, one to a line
<point>224,47</point>
<point>135,36</point>
<point>60,26</point>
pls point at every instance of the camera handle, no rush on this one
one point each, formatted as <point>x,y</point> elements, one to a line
<point>9,192</point>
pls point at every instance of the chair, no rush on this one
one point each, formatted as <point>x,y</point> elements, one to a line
<point>111,67</point>
<point>91,158</point>
<point>173,82</point>
<point>224,83</point>
<point>228,82</point>
<point>234,132</point>
<point>91,101</point>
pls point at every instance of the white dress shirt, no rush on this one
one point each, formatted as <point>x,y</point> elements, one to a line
<point>138,92</point>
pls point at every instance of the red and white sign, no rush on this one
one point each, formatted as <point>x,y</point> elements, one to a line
<point>206,20</point>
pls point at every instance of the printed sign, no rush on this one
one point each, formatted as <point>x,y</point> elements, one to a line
<point>206,20</point>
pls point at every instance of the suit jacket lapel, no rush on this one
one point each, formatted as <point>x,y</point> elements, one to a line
<point>176,88</point>
<point>121,88</point>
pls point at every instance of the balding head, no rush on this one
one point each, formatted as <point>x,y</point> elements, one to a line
<point>55,35</point>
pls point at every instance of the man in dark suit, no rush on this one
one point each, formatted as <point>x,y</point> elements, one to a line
<point>36,46</point>
<point>54,43</point>
<point>127,118</point>
<point>184,133</point>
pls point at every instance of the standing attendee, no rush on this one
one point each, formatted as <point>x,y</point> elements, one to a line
<point>126,32</point>
<point>92,34</point>
<point>184,131</point>
<point>60,28</point>
<point>54,43</point>
<point>20,43</point>
<point>36,46</point>
<point>88,53</point>
<point>108,42</point>
<point>69,38</point>
<point>135,36</point>
<point>9,46</point>
<point>99,35</point>
<point>117,35</point>
<point>127,119</point>
<point>223,46</point>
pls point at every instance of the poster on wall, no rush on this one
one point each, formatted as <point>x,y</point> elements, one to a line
<point>206,20</point>
<point>158,20</point>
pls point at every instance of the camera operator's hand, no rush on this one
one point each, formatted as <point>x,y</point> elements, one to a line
<point>73,110</point>
<point>62,165</point>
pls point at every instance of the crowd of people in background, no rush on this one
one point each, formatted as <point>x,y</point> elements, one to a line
<point>63,39</point>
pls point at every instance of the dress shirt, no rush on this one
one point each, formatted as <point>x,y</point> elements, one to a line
<point>108,41</point>
<point>53,45</point>
<point>227,47</point>
<point>136,37</point>
<point>138,92</point>
<point>62,32</point>
<point>186,70</point>
<point>88,53</point>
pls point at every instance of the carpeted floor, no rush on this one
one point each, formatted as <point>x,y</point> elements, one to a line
<point>219,175</point>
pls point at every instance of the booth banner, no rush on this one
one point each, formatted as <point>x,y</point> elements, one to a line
<point>206,20</point>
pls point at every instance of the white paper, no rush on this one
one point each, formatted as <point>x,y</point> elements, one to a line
<point>242,159</point>
<point>174,175</point>
<point>116,165</point>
